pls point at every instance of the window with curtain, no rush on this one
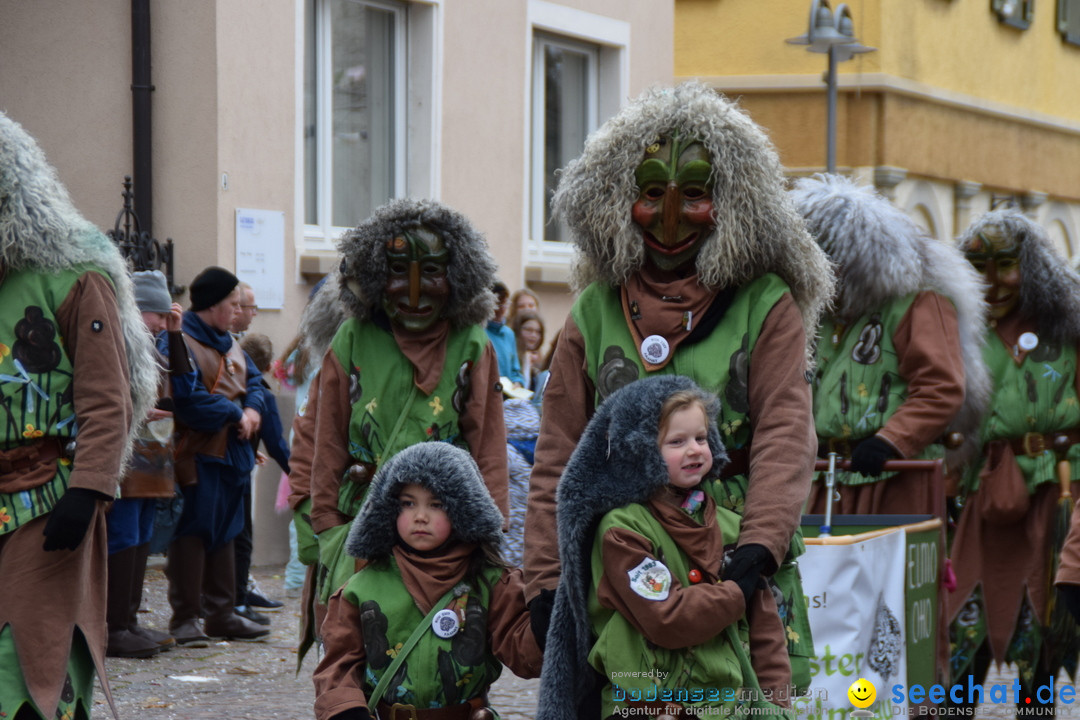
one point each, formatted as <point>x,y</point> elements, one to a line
<point>354,89</point>
<point>564,111</point>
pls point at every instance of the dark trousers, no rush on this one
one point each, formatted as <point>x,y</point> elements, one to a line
<point>244,545</point>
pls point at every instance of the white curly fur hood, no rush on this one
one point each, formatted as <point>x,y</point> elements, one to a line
<point>881,255</point>
<point>40,229</point>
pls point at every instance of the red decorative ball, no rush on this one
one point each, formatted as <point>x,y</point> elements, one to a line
<point>695,576</point>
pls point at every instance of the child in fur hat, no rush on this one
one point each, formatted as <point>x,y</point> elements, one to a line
<point>430,533</point>
<point>642,541</point>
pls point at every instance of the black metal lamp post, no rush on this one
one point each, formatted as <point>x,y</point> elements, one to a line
<point>832,33</point>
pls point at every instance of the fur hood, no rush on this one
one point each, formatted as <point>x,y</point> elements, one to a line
<point>361,277</point>
<point>448,472</point>
<point>1049,287</point>
<point>757,228</point>
<point>881,254</point>
<point>41,230</point>
<point>617,462</point>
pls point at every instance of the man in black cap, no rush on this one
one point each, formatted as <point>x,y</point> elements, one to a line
<point>216,418</point>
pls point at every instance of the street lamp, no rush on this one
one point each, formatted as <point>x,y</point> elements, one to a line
<point>833,33</point>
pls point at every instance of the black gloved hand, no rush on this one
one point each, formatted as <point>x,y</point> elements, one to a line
<point>1070,596</point>
<point>356,713</point>
<point>745,566</point>
<point>870,455</point>
<point>70,517</point>
<point>540,608</point>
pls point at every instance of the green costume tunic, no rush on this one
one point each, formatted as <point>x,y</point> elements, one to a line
<point>702,676</point>
<point>36,397</point>
<point>389,413</point>
<point>858,385</point>
<point>718,363</point>
<point>438,672</point>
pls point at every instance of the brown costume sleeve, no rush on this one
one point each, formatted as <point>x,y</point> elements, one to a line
<point>512,639</point>
<point>303,448</point>
<point>90,327</point>
<point>330,457</point>
<point>688,616</point>
<point>568,405</point>
<point>339,677</point>
<point>483,428</point>
<point>768,648</point>
<point>927,342</point>
<point>1069,570</point>
<point>784,442</point>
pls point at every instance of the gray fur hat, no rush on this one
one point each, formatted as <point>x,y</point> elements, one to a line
<point>1049,287</point>
<point>617,462</point>
<point>757,228</point>
<point>41,230</point>
<point>881,255</point>
<point>451,474</point>
<point>361,277</point>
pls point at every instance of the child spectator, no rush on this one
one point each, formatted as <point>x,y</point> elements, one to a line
<point>528,329</point>
<point>431,533</point>
<point>259,348</point>
<point>522,428</point>
<point>642,543</point>
<point>521,300</point>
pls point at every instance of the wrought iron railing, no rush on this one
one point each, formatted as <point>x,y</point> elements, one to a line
<point>142,251</point>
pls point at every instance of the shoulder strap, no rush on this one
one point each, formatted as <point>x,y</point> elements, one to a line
<point>384,681</point>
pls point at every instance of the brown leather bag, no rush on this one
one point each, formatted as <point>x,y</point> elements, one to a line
<point>1005,498</point>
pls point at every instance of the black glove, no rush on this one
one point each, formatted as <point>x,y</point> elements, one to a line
<point>870,455</point>
<point>70,517</point>
<point>540,608</point>
<point>1070,596</point>
<point>356,713</point>
<point>745,566</point>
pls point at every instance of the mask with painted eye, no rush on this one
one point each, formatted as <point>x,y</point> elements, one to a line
<point>417,287</point>
<point>997,256</point>
<point>674,207</point>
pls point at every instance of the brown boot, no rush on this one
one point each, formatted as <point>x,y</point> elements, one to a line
<point>122,642</point>
<point>219,588</point>
<point>164,641</point>
<point>186,560</point>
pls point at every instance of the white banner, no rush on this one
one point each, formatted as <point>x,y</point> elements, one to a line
<point>855,595</point>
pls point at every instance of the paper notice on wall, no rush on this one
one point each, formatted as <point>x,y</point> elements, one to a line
<point>855,596</point>
<point>260,255</point>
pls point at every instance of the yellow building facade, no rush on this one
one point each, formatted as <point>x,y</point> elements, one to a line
<point>961,107</point>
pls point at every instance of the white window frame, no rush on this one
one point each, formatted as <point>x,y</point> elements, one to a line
<point>611,83</point>
<point>417,107</point>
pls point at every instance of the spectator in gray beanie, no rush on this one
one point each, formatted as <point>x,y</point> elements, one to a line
<point>152,291</point>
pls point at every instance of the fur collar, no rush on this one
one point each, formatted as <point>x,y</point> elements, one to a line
<point>449,473</point>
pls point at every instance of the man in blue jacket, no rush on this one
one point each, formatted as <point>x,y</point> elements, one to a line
<point>216,419</point>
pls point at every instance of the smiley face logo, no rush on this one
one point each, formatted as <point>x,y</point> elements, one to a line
<point>862,693</point>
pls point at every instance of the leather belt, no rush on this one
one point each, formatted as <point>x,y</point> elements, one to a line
<point>464,711</point>
<point>22,459</point>
<point>1033,444</point>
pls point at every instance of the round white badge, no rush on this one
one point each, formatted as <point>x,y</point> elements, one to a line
<point>655,349</point>
<point>445,623</point>
<point>1028,341</point>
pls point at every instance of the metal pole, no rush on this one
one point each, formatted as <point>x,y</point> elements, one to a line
<point>830,131</point>
<point>140,103</point>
